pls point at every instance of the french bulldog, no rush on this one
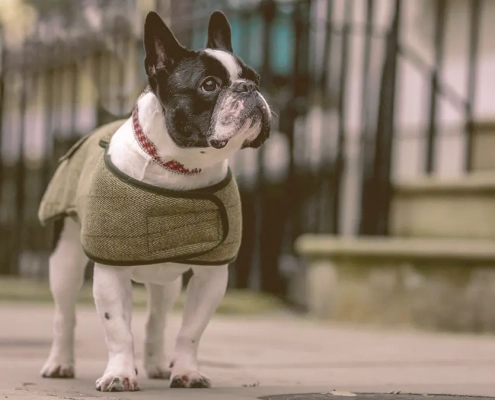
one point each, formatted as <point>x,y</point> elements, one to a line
<point>200,107</point>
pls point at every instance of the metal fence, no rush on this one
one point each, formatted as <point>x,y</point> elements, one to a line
<point>292,185</point>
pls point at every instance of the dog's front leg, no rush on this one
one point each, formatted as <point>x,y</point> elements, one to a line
<point>161,299</point>
<point>204,293</point>
<point>112,291</point>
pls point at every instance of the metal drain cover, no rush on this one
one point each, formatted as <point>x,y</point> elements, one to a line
<point>340,395</point>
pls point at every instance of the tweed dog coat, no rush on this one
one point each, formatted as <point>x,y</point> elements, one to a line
<point>128,222</point>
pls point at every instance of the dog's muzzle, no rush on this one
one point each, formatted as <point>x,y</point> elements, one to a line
<point>242,86</point>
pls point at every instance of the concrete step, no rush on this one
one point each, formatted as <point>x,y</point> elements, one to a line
<point>484,146</point>
<point>433,207</point>
<point>434,284</point>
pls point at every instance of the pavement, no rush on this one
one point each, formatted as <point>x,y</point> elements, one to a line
<point>251,356</point>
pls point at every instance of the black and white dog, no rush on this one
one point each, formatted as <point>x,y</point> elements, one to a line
<point>200,108</point>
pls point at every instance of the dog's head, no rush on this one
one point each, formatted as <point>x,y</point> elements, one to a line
<point>210,98</point>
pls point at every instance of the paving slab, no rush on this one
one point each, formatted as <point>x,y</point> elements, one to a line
<point>253,356</point>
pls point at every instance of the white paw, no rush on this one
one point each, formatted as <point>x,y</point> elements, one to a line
<point>56,369</point>
<point>156,371</point>
<point>189,379</point>
<point>117,383</point>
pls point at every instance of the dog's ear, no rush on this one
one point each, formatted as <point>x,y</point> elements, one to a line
<point>219,32</point>
<point>163,50</point>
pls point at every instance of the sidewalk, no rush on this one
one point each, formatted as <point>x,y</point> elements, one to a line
<point>254,356</point>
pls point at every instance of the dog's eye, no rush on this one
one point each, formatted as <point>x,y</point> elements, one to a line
<point>209,85</point>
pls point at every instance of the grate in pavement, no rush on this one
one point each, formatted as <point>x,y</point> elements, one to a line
<point>18,342</point>
<point>337,395</point>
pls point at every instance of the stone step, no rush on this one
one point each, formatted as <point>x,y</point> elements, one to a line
<point>433,207</point>
<point>483,151</point>
<point>437,284</point>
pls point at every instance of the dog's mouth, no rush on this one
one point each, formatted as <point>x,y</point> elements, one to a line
<point>218,144</point>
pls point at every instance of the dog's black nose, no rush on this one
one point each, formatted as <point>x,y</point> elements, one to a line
<point>244,86</point>
<point>218,144</point>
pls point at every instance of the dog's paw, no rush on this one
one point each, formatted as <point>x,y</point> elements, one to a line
<point>117,383</point>
<point>158,372</point>
<point>190,379</point>
<point>54,369</point>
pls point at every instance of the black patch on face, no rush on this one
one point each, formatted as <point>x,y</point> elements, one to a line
<point>260,139</point>
<point>107,316</point>
<point>248,73</point>
<point>188,108</point>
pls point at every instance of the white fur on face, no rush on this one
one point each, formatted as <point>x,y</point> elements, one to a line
<point>228,61</point>
<point>230,130</point>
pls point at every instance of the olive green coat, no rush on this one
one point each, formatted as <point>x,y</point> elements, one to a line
<point>127,222</point>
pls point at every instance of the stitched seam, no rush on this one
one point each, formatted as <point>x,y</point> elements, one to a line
<point>114,237</point>
<point>179,249</point>
<point>188,213</point>
<point>182,228</point>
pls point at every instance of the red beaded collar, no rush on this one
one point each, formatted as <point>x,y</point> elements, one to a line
<point>149,148</point>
